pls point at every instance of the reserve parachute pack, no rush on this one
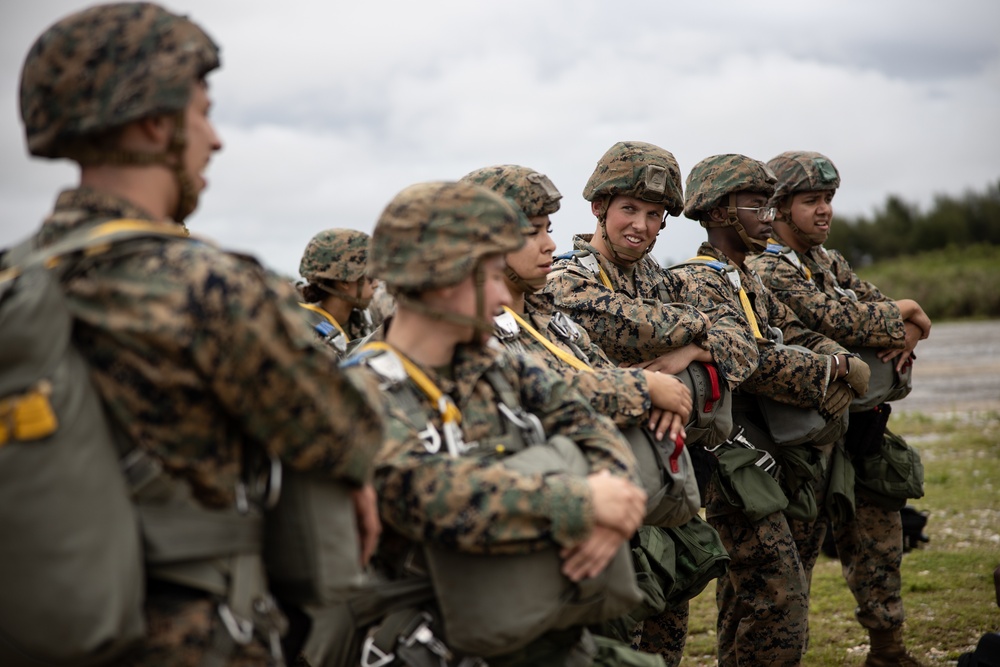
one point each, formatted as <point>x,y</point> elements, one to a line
<point>94,516</point>
<point>492,605</point>
<point>71,560</point>
<point>666,469</point>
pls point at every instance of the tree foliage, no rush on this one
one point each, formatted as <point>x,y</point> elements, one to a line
<point>900,228</point>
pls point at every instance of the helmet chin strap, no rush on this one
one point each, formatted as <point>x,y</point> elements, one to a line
<point>732,219</point>
<point>523,284</point>
<point>353,299</point>
<point>479,323</point>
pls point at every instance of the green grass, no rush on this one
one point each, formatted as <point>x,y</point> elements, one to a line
<point>947,583</point>
<point>952,283</point>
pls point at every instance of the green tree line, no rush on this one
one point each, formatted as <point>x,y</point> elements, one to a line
<point>900,228</point>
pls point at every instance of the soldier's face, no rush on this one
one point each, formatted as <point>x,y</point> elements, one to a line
<point>632,223</point>
<point>812,212</point>
<point>534,259</point>
<point>465,301</point>
<point>755,229</point>
<point>202,139</point>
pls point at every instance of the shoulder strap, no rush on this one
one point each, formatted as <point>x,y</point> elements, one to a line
<point>587,261</point>
<point>92,241</point>
<point>562,355</point>
<point>733,276</point>
<point>790,256</point>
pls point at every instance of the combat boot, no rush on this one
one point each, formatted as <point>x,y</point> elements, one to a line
<point>888,651</point>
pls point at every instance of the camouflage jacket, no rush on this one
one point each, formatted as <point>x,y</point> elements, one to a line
<point>787,375</point>
<point>829,297</point>
<point>633,320</point>
<point>472,502</point>
<point>200,354</point>
<point>326,328</point>
<point>641,318</point>
<point>619,393</point>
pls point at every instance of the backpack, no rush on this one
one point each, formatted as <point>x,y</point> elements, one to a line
<point>72,585</point>
<point>94,516</point>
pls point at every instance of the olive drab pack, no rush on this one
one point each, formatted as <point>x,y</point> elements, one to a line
<point>886,383</point>
<point>494,604</point>
<point>72,580</point>
<point>667,475</point>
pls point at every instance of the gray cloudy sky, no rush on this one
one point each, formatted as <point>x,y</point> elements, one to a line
<point>327,109</point>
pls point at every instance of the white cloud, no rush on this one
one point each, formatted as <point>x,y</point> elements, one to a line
<point>328,109</point>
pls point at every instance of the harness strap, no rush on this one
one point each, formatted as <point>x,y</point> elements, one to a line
<point>328,317</point>
<point>744,299</point>
<point>549,345</point>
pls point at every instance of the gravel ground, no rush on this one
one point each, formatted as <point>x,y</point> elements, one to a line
<point>957,369</point>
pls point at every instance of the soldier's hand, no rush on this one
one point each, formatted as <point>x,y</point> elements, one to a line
<point>666,424</point>
<point>858,376</point>
<point>618,503</point>
<point>369,527</point>
<point>590,557</point>
<point>676,360</point>
<point>838,399</point>
<point>668,393</point>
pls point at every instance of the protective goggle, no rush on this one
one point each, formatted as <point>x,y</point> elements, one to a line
<point>764,213</point>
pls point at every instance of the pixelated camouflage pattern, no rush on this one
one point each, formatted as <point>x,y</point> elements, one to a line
<point>716,177</point>
<point>458,502</point>
<point>763,601</point>
<point>433,234</point>
<point>664,634</point>
<point>358,326</point>
<point>639,170</point>
<point>106,66</point>
<point>180,633</point>
<point>785,374</point>
<point>382,305</point>
<point>531,192</point>
<point>873,320</point>
<point>870,549</point>
<point>335,254</point>
<point>200,355</point>
<point>643,316</point>
<point>802,171</point>
<point>619,393</point>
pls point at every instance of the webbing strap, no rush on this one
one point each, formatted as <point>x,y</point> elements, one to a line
<point>744,300</point>
<point>775,248</point>
<point>449,411</point>
<point>328,317</point>
<point>95,240</point>
<point>173,534</point>
<point>549,345</point>
<point>590,262</point>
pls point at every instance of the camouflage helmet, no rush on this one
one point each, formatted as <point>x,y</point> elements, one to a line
<point>712,179</point>
<point>433,235</point>
<point>531,192</point>
<point>639,170</point>
<point>802,171</point>
<point>106,66</point>
<point>335,254</point>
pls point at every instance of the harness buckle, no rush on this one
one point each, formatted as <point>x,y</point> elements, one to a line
<point>530,424</point>
<point>369,649</point>
<point>240,629</point>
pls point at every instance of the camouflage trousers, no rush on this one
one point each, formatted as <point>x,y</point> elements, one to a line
<point>180,632</point>
<point>664,634</point>
<point>763,602</point>
<point>808,536</point>
<point>871,552</point>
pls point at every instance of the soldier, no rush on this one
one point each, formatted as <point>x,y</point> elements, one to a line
<point>613,287</point>
<point>763,603</point>
<point>460,412</point>
<point>629,396</point>
<point>820,286</point>
<point>337,292</point>
<point>202,358</point>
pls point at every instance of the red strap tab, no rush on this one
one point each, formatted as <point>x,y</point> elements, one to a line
<point>713,375</point>
<point>675,467</point>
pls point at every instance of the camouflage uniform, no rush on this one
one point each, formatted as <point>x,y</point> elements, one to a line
<point>472,502</point>
<point>823,290</point>
<point>336,255</point>
<point>764,602</point>
<point>177,333</point>
<point>642,316</point>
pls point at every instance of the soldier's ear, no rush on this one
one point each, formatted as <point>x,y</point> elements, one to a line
<point>595,206</point>
<point>718,214</point>
<point>149,134</point>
